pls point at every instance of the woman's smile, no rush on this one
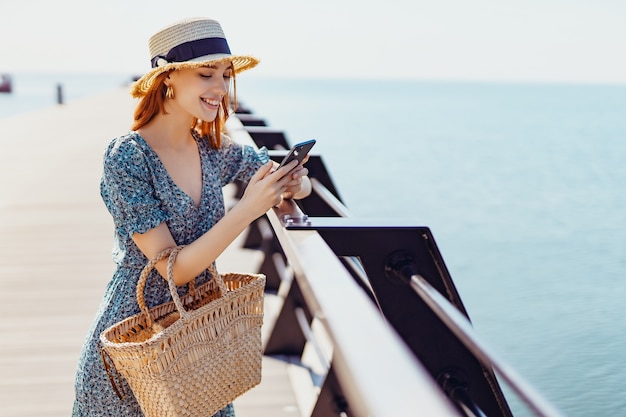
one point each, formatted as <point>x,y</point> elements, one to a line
<point>213,103</point>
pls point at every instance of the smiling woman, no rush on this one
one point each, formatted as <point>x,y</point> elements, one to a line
<point>162,184</point>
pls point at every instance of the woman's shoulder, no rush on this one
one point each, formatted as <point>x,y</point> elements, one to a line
<point>126,150</point>
<point>130,142</point>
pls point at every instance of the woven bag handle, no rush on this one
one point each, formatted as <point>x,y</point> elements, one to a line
<point>218,277</point>
<point>171,254</point>
<point>143,279</point>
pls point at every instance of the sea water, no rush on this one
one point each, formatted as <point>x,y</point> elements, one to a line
<point>522,186</point>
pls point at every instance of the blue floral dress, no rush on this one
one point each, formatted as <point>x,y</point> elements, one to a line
<point>139,193</point>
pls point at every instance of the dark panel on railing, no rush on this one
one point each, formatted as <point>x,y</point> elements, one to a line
<point>270,138</point>
<point>437,348</point>
<point>242,109</point>
<point>276,141</point>
<point>313,205</point>
<point>251,120</point>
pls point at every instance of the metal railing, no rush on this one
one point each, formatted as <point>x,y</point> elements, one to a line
<point>404,268</point>
<point>395,352</point>
<point>366,350</point>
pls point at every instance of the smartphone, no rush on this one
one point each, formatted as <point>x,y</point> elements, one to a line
<point>299,151</point>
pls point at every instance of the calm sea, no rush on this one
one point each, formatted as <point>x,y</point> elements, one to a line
<point>522,185</point>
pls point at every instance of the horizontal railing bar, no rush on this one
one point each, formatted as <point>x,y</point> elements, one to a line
<point>463,329</point>
<point>319,223</point>
<point>329,198</point>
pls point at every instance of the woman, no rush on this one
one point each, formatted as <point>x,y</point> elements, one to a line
<point>162,183</point>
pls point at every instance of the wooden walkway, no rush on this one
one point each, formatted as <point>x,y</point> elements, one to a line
<point>55,245</point>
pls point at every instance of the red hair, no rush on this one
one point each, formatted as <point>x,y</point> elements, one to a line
<point>153,103</point>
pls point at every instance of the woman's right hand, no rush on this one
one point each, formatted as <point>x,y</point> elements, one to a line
<point>262,193</point>
<point>265,189</point>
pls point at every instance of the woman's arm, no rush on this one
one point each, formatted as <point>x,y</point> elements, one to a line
<point>263,192</point>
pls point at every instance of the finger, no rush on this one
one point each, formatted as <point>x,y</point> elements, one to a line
<point>262,171</point>
<point>299,172</point>
<point>294,183</point>
<point>275,166</point>
<point>281,172</point>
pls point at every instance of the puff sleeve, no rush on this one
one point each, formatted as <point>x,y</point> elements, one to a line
<point>127,188</point>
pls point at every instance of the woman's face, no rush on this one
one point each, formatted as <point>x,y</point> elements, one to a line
<point>199,91</point>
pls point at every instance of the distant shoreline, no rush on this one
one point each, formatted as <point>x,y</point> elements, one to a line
<point>36,90</point>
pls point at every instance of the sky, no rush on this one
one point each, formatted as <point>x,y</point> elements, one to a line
<point>495,40</point>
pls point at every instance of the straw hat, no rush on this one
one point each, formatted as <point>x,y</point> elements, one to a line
<point>189,43</point>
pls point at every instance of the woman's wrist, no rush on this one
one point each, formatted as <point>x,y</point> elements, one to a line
<point>244,213</point>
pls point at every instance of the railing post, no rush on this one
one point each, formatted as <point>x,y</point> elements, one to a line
<point>331,401</point>
<point>59,93</point>
<point>287,337</point>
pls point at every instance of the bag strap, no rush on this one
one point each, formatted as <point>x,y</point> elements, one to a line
<point>171,254</point>
<point>109,366</point>
<point>143,279</point>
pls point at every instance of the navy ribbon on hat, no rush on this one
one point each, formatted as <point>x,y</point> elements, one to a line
<point>193,49</point>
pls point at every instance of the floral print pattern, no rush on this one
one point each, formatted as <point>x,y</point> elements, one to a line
<point>139,193</point>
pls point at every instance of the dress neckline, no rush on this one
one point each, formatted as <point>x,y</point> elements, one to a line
<point>155,155</point>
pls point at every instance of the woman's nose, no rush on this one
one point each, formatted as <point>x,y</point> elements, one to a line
<point>221,86</point>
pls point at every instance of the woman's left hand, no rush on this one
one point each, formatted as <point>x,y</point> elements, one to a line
<point>299,185</point>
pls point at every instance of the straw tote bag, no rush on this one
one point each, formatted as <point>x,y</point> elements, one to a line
<point>191,356</point>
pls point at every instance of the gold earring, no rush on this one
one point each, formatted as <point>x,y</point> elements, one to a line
<point>169,92</point>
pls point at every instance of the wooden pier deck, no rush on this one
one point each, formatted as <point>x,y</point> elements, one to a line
<point>55,244</point>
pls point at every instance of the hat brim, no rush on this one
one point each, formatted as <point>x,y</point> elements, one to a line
<point>240,63</point>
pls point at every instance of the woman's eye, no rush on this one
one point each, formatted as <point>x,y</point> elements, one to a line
<point>226,75</point>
